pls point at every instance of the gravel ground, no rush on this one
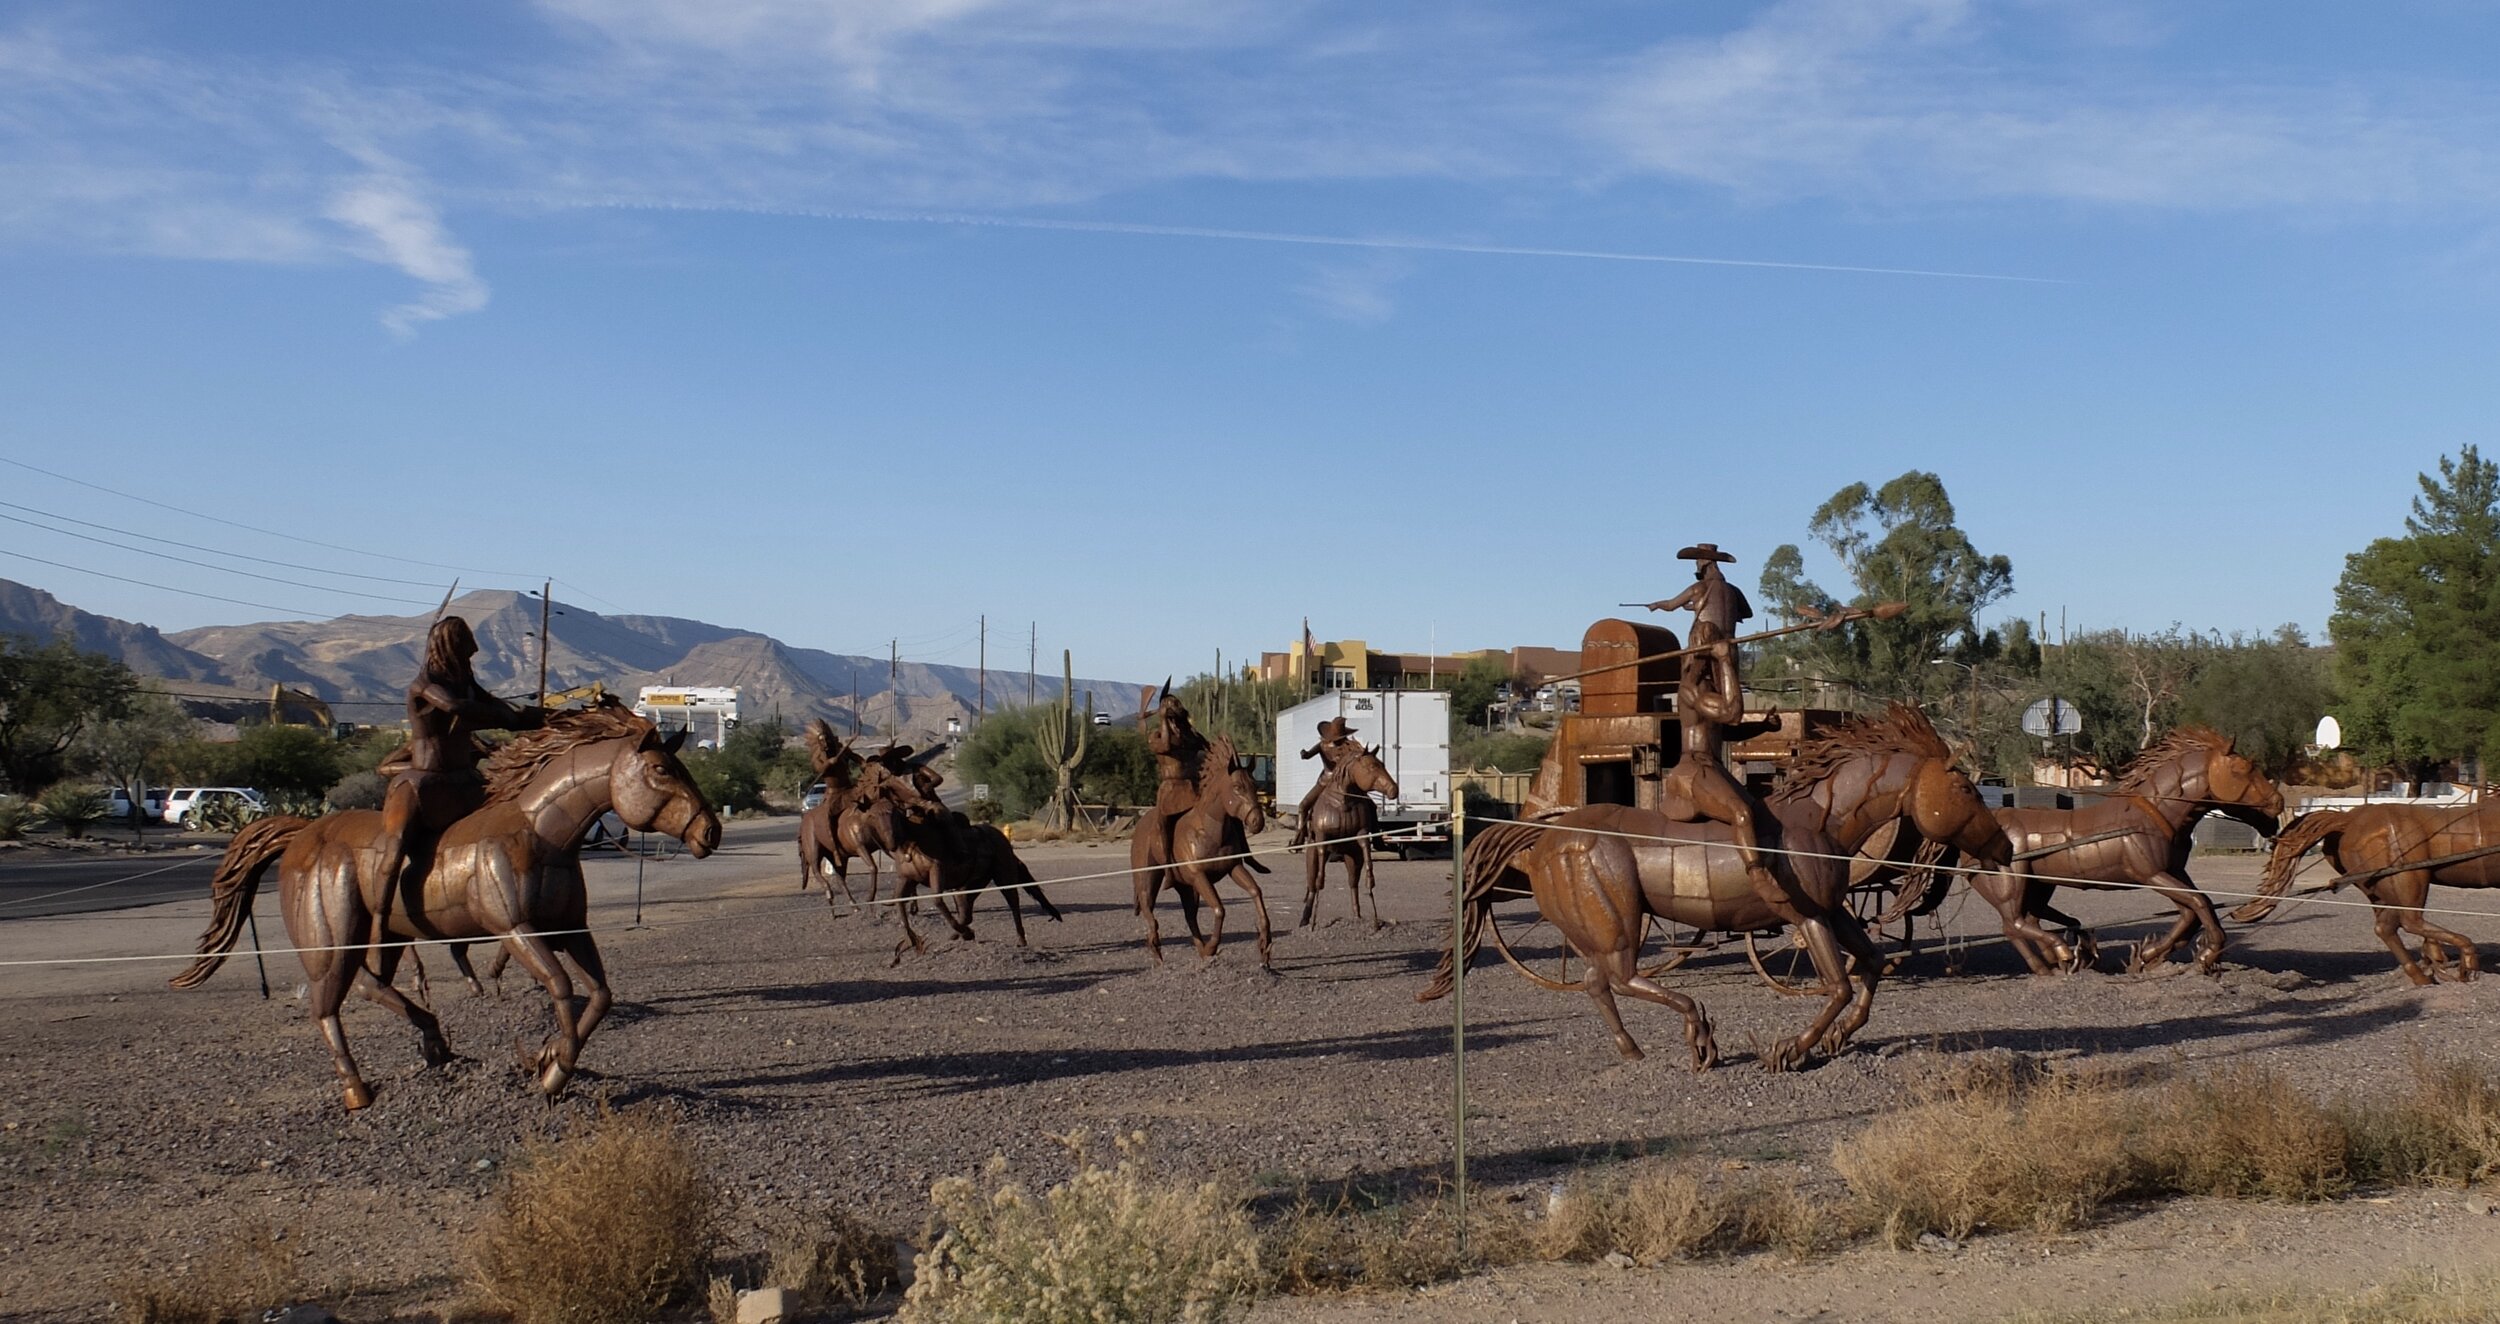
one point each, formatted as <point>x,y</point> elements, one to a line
<point>139,1120</point>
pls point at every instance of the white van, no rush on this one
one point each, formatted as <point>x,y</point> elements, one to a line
<point>186,801</point>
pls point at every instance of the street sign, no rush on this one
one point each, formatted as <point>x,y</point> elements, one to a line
<point>980,790</point>
<point>2053,717</point>
<point>2330,733</point>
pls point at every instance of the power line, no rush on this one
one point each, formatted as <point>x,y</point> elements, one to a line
<point>228,570</point>
<point>214,551</point>
<point>254,528</point>
<point>188,593</point>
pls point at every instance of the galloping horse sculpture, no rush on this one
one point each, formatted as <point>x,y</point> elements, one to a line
<point>1210,842</point>
<point>2393,853</point>
<point>2139,836</point>
<point>959,860</point>
<point>512,870</point>
<point>1340,826</point>
<point>1601,873</point>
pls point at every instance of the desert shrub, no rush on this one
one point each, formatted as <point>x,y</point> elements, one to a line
<point>1352,1238</point>
<point>832,1259</point>
<point>224,814</point>
<point>72,808</point>
<point>2446,1131</point>
<point>1109,1243</point>
<point>1773,1214</point>
<point>1987,1148</point>
<point>2415,1298</point>
<point>357,790</point>
<point>2243,1133</point>
<point>612,1226</point>
<point>1506,751</point>
<point>15,817</point>
<point>254,1268</point>
<point>1654,1214</point>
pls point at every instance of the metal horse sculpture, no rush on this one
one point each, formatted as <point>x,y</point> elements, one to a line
<point>1210,842</point>
<point>959,860</point>
<point>1342,824</point>
<point>512,871</point>
<point>2393,853</point>
<point>1602,884</point>
<point>2139,836</point>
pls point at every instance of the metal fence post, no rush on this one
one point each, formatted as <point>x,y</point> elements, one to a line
<point>1458,1009</point>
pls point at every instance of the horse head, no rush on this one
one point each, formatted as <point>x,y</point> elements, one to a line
<point>1365,774</point>
<point>653,792</point>
<point>1944,805</point>
<point>2236,786</point>
<point>1224,786</point>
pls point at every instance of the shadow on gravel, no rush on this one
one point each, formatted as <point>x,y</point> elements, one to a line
<point>967,1072</point>
<point>2286,1024</point>
<point>852,992</point>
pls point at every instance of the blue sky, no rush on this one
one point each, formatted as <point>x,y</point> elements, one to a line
<point>855,321</point>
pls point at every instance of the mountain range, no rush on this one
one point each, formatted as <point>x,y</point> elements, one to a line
<point>361,665</point>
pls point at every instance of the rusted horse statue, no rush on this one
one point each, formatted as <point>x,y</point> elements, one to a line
<point>2393,853</point>
<point>1343,821</point>
<point>959,860</point>
<point>1602,885</point>
<point>2139,836</point>
<point>819,840</point>
<point>1209,843</point>
<point>865,811</point>
<point>512,871</point>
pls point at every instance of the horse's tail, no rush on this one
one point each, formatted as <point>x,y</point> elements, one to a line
<point>1925,880</point>
<point>1490,854</point>
<point>238,878</point>
<point>2318,826</point>
<point>1016,874</point>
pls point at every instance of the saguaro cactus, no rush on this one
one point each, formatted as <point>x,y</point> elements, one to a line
<point>1062,739</point>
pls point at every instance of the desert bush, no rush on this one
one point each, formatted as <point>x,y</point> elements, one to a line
<point>15,817</point>
<point>357,790</point>
<point>832,1259</point>
<point>254,1268</point>
<point>224,814</point>
<point>72,808</point>
<point>1986,1148</point>
<point>2446,1131</point>
<point>612,1226</point>
<point>1652,1214</point>
<point>2415,1298</point>
<point>1109,1243</point>
<point>1352,1239</point>
<point>2242,1133</point>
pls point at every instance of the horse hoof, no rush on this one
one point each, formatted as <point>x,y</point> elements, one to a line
<point>357,1096</point>
<point>1787,1055</point>
<point>551,1082</point>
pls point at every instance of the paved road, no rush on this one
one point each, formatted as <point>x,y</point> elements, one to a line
<point>55,885</point>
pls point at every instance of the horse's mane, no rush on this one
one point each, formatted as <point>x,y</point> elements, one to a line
<point>1899,729</point>
<point>1216,759</point>
<point>2137,778</point>
<point>517,761</point>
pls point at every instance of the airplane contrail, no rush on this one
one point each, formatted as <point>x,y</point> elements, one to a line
<point>621,203</point>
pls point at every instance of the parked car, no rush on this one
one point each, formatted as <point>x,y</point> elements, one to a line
<point>187,801</point>
<point>1102,719</point>
<point>814,797</point>
<point>151,803</point>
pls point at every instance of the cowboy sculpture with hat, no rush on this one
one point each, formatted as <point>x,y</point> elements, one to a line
<point>1336,745</point>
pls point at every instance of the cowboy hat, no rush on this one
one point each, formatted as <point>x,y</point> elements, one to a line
<point>1335,729</point>
<point>1704,551</point>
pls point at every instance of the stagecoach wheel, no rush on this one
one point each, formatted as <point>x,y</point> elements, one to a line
<point>1788,968</point>
<point>1678,951</point>
<point>1561,978</point>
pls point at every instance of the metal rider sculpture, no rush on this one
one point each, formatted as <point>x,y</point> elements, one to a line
<point>1177,748</point>
<point>1337,746</point>
<point>1710,696</point>
<point>439,784</point>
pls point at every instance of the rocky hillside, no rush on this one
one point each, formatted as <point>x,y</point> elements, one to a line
<point>361,664</point>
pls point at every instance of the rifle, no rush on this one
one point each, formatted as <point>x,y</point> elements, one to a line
<point>1883,611</point>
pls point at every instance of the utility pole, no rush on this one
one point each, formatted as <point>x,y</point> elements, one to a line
<point>854,670</point>
<point>1032,652</point>
<point>983,705</point>
<point>546,602</point>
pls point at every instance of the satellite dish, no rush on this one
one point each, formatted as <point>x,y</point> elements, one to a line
<point>2330,733</point>
<point>2053,717</point>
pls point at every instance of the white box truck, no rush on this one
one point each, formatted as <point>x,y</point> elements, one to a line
<point>1408,729</point>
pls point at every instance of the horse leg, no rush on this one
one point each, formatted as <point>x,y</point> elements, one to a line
<point>2022,933</point>
<point>1825,951</point>
<point>1371,884</point>
<point>2408,893</point>
<point>1620,969</point>
<point>1202,893</point>
<point>1352,858</point>
<point>1314,878</point>
<point>1034,890</point>
<point>585,953</point>
<point>2194,912</point>
<point>2087,951</point>
<point>337,917</point>
<point>378,989</point>
<point>1258,904</point>
<point>1867,965</point>
<point>910,941</point>
<point>554,1061</point>
<point>1015,912</point>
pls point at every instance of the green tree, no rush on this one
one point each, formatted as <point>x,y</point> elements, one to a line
<point>1471,693</point>
<point>1119,768</point>
<point>130,749</point>
<point>1898,543</point>
<point>2266,694</point>
<point>286,760</point>
<point>49,694</point>
<point>2417,625</point>
<point>1004,753</point>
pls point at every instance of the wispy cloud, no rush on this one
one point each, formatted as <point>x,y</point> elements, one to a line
<point>1359,292</point>
<point>403,230</point>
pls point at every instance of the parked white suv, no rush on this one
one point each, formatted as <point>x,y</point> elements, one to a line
<point>151,804</point>
<point>187,800</point>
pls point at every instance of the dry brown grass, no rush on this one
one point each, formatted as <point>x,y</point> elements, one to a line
<point>833,1259</point>
<point>1986,1148</point>
<point>2416,1299</point>
<point>613,1226</point>
<point>1653,1213</point>
<point>2243,1133</point>
<point>255,1267</point>
<point>1353,1239</point>
<point>2445,1132</point>
<point>1109,1243</point>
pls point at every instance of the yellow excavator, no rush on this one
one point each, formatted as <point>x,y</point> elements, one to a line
<point>586,695</point>
<point>293,707</point>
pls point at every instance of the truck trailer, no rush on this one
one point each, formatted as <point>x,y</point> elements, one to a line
<point>1408,729</point>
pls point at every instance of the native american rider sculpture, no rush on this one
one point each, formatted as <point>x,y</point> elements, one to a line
<point>1179,750</point>
<point>1336,748</point>
<point>1710,697</point>
<point>439,784</point>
